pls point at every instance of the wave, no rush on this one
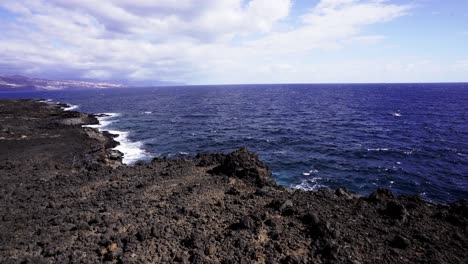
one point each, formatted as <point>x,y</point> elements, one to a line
<point>378,149</point>
<point>313,171</point>
<point>132,150</point>
<point>105,119</point>
<point>310,184</point>
<point>71,107</point>
<point>396,114</point>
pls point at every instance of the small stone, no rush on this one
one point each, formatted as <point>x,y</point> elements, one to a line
<point>232,191</point>
<point>143,234</point>
<point>286,204</point>
<point>287,208</point>
<point>115,155</point>
<point>247,222</point>
<point>291,260</point>
<point>116,253</point>
<point>210,250</point>
<point>52,205</point>
<point>400,242</point>
<point>112,247</point>
<point>310,219</point>
<point>264,191</point>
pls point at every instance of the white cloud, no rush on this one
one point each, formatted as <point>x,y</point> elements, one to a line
<point>461,66</point>
<point>353,13</point>
<point>184,40</point>
<point>370,39</point>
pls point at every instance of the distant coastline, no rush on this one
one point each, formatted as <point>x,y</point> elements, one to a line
<point>15,83</point>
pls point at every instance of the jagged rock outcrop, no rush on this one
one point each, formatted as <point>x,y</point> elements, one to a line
<point>245,165</point>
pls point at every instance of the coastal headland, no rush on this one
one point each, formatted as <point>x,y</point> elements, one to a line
<point>66,197</point>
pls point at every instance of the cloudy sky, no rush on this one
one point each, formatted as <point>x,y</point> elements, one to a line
<point>236,41</point>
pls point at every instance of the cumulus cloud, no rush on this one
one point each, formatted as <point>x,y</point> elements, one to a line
<point>182,40</point>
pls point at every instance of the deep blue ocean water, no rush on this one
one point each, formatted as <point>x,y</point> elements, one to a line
<point>411,138</point>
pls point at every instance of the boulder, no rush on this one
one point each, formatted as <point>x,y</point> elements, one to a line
<point>245,165</point>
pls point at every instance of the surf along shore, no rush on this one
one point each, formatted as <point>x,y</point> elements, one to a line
<point>66,197</point>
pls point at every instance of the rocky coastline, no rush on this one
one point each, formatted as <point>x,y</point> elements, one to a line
<point>66,197</point>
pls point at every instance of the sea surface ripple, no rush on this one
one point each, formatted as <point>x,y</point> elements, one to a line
<point>411,138</point>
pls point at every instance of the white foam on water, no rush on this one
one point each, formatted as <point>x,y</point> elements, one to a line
<point>313,171</point>
<point>410,152</point>
<point>310,184</point>
<point>280,152</point>
<point>110,115</point>
<point>397,113</point>
<point>183,153</point>
<point>132,150</point>
<point>104,121</point>
<point>71,107</point>
<point>148,112</point>
<point>378,149</point>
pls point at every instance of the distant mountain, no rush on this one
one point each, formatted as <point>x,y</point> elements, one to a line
<point>22,83</point>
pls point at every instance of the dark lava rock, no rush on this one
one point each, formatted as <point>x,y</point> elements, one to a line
<point>232,191</point>
<point>396,211</point>
<point>205,160</point>
<point>245,165</point>
<point>458,213</point>
<point>400,242</point>
<point>115,155</point>
<point>310,219</point>
<point>381,195</point>
<point>265,191</point>
<point>63,200</point>
<point>291,260</point>
<point>247,222</point>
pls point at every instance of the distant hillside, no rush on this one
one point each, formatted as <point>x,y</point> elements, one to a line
<point>21,83</point>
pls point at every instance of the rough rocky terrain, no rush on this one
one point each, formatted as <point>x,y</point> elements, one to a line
<point>65,198</point>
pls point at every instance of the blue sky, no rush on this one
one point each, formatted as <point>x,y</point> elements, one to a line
<point>236,41</point>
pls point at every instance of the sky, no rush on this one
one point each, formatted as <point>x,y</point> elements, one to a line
<point>236,41</point>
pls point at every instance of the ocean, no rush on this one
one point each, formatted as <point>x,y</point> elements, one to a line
<point>410,138</point>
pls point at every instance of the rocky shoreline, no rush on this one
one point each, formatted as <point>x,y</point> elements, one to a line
<point>65,197</point>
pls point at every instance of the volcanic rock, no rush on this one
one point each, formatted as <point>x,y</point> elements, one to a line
<point>64,200</point>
